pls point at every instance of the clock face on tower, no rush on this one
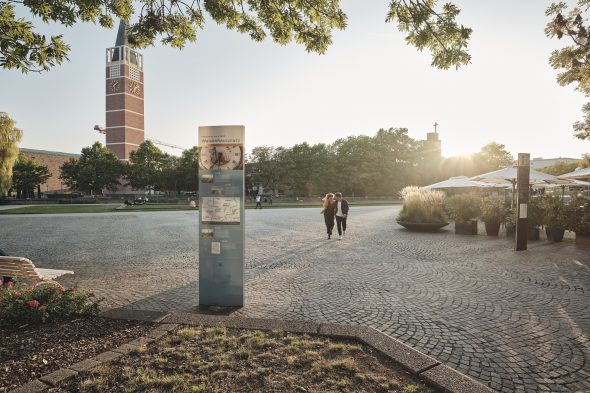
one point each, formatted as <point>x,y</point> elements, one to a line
<point>114,86</point>
<point>134,88</point>
<point>220,157</point>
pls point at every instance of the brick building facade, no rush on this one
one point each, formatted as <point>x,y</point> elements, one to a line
<point>54,160</point>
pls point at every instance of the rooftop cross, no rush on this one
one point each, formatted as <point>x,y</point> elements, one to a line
<point>435,125</point>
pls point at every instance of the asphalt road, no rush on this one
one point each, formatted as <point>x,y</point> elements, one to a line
<point>516,321</point>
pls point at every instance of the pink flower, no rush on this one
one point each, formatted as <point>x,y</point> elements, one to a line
<point>9,284</point>
<point>42,308</point>
<point>33,303</point>
<point>17,293</point>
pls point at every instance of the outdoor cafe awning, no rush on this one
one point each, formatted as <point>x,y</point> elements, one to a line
<point>583,173</point>
<point>458,182</point>
<point>508,176</point>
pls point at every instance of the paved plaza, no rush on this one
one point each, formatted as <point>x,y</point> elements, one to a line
<point>515,321</point>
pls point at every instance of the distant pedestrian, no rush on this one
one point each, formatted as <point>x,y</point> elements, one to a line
<point>341,209</point>
<point>271,199</point>
<point>328,212</point>
<point>258,201</point>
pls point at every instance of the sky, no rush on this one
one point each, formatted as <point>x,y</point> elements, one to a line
<point>368,79</point>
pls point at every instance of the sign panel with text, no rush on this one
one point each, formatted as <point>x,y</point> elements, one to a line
<point>221,215</point>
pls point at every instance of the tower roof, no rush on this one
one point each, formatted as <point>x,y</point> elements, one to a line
<point>122,33</point>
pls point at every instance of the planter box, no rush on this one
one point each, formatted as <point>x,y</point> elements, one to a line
<point>554,234</point>
<point>533,233</point>
<point>423,226</point>
<point>582,240</point>
<point>466,228</point>
<point>510,230</point>
<point>492,228</point>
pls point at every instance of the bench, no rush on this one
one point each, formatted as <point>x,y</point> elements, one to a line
<point>23,268</point>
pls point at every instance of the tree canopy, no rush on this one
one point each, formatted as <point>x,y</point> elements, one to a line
<point>310,23</point>
<point>362,165</point>
<point>10,137</point>
<point>147,167</point>
<point>560,168</point>
<point>493,156</point>
<point>265,168</point>
<point>425,23</point>
<point>96,169</point>
<point>27,175</point>
<point>186,170</point>
<point>573,60</point>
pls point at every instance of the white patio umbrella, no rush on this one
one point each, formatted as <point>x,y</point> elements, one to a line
<point>574,182</point>
<point>583,173</point>
<point>458,182</point>
<point>508,176</point>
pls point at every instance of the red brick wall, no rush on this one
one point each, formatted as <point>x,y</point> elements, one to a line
<point>53,160</point>
<point>125,109</point>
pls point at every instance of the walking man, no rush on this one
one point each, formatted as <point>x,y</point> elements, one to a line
<point>258,201</point>
<point>341,214</point>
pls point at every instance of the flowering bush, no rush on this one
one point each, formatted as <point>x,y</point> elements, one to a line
<point>422,205</point>
<point>46,302</point>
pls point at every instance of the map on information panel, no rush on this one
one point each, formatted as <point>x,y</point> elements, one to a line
<point>223,210</point>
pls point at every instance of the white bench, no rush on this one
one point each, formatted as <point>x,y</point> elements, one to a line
<point>23,268</point>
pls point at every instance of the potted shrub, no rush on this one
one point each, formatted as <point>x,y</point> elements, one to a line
<point>510,223</point>
<point>534,219</point>
<point>555,217</point>
<point>422,209</point>
<point>464,209</point>
<point>580,221</point>
<point>493,214</point>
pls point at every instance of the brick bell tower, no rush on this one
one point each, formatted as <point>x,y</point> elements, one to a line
<point>124,97</point>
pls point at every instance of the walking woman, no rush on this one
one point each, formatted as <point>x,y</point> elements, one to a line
<point>328,210</point>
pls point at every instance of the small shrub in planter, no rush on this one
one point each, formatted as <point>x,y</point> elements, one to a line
<point>493,214</point>
<point>421,207</point>
<point>510,223</point>
<point>580,221</point>
<point>533,221</point>
<point>464,209</point>
<point>534,218</point>
<point>555,217</point>
<point>44,303</point>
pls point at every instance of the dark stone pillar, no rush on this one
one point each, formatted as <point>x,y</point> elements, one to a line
<point>522,181</point>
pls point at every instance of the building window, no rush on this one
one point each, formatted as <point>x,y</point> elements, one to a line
<point>115,71</point>
<point>134,73</point>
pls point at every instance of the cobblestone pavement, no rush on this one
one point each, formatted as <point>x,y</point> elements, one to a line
<point>515,321</point>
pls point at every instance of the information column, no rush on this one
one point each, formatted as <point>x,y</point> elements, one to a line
<point>221,216</point>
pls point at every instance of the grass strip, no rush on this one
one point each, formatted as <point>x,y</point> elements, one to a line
<point>216,359</point>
